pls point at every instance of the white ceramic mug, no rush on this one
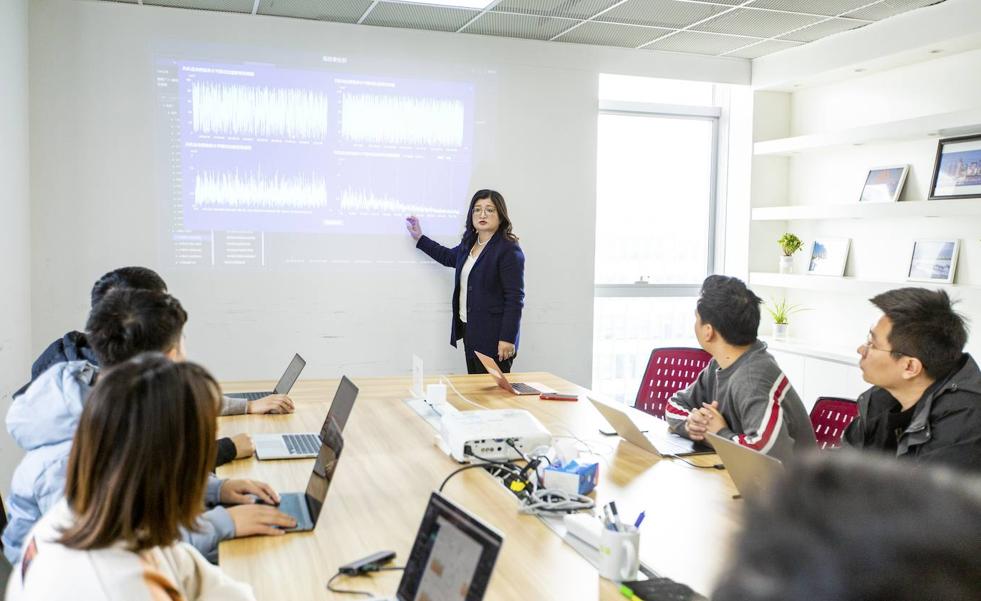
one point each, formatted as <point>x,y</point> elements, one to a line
<point>619,559</point>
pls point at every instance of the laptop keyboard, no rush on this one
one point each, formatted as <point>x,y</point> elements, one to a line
<point>249,396</point>
<point>524,388</point>
<point>302,444</point>
<point>662,589</point>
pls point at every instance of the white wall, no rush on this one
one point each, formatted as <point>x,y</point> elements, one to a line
<point>15,212</point>
<point>880,247</point>
<point>93,166</point>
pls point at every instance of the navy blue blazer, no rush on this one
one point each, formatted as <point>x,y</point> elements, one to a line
<point>495,291</point>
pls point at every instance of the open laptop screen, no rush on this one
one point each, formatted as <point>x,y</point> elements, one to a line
<point>323,469</point>
<point>340,407</point>
<point>292,372</point>
<point>453,552</point>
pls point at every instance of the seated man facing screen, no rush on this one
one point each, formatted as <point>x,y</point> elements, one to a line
<point>44,419</point>
<point>741,394</point>
<point>925,403</point>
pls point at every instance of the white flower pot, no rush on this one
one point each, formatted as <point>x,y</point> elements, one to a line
<point>780,331</point>
<point>786,264</point>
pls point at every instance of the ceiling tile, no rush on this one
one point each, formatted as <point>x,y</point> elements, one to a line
<point>888,8</point>
<point>519,26</point>
<point>419,16</point>
<point>699,43</point>
<point>764,48</point>
<point>608,34</point>
<point>661,13</point>
<point>823,29</point>
<point>341,11</point>
<point>228,6</point>
<point>758,23</point>
<point>574,9</point>
<point>829,8</point>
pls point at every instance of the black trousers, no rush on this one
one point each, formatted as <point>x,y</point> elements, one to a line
<point>474,366</point>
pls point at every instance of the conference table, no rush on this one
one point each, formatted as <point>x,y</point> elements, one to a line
<point>391,464</point>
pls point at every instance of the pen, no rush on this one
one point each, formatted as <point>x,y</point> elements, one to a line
<point>640,518</point>
<point>616,515</point>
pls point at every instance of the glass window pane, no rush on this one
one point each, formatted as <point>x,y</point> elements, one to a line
<point>626,330</point>
<point>654,178</point>
<point>649,89</point>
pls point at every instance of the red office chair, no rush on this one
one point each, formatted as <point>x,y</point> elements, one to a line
<point>668,371</point>
<point>829,418</point>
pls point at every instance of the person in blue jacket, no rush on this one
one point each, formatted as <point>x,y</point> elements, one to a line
<point>489,288</point>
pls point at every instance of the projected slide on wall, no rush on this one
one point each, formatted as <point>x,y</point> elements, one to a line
<point>265,158</point>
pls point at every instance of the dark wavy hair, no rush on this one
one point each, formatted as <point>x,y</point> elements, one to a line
<point>470,232</point>
<point>136,278</point>
<point>129,322</point>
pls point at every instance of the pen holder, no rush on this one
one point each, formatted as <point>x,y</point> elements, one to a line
<point>619,557</point>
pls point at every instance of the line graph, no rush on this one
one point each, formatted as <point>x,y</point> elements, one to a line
<point>258,111</point>
<point>361,201</point>
<point>388,119</point>
<point>255,191</point>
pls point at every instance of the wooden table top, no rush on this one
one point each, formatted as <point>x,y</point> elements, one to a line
<point>391,465</point>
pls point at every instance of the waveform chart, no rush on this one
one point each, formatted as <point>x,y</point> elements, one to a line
<point>359,201</point>
<point>400,120</point>
<point>258,112</point>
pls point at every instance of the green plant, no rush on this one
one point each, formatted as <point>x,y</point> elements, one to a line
<point>789,244</point>
<point>781,310</point>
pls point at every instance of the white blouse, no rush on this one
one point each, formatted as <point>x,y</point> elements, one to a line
<point>464,278</point>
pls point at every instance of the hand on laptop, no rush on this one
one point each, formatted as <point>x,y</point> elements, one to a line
<point>237,492</point>
<point>274,403</point>
<point>244,447</point>
<point>251,520</point>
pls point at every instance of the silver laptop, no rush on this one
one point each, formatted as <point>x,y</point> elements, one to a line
<point>284,385</point>
<point>515,388</point>
<point>658,440</point>
<point>453,556</point>
<point>751,471</point>
<point>306,507</point>
<point>300,445</point>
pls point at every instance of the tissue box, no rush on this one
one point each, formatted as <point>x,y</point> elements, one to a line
<point>572,477</point>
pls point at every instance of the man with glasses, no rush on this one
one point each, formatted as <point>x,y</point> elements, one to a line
<point>925,403</point>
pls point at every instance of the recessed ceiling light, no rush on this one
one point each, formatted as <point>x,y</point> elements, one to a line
<point>479,4</point>
<point>860,70</point>
<point>936,51</point>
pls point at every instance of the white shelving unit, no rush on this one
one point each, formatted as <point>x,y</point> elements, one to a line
<point>969,207</point>
<point>942,125</point>
<point>801,347</point>
<point>850,285</point>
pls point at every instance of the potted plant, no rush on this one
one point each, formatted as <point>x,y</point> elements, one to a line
<point>789,244</point>
<point>781,311</point>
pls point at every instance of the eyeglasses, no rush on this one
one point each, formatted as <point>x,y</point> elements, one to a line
<point>870,346</point>
<point>484,210</point>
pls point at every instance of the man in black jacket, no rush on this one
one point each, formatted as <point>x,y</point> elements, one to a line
<point>925,403</point>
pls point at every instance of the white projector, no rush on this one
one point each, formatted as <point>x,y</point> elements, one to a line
<point>485,434</point>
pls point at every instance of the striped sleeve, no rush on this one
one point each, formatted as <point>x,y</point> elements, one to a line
<point>770,423</point>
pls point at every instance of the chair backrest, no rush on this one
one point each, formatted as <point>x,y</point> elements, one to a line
<point>668,371</point>
<point>3,521</point>
<point>829,418</point>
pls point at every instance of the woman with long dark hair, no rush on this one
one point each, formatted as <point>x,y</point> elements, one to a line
<point>489,289</point>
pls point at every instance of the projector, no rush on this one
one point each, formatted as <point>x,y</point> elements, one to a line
<point>484,433</point>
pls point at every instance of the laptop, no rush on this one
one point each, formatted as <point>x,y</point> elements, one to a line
<point>453,556</point>
<point>658,440</point>
<point>306,507</point>
<point>300,445</point>
<point>515,388</point>
<point>751,471</point>
<point>284,385</point>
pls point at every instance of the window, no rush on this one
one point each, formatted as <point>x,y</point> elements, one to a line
<point>655,222</point>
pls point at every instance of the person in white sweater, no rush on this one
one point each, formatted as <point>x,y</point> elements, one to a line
<point>129,492</point>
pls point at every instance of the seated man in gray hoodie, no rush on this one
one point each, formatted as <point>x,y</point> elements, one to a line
<point>43,421</point>
<point>925,402</point>
<point>741,394</point>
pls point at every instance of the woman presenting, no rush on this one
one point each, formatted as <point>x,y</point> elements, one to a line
<point>489,288</point>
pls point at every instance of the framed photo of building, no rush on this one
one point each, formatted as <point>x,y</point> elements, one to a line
<point>828,256</point>
<point>933,261</point>
<point>957,170</point>
<point>884,184</point>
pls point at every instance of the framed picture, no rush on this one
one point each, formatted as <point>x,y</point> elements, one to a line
<point>884,184</point>
<point>933,261</point>
<point>957,170</point>
<point>828,256</point>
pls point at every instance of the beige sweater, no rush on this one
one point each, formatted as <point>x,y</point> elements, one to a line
<point>174,573</point>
